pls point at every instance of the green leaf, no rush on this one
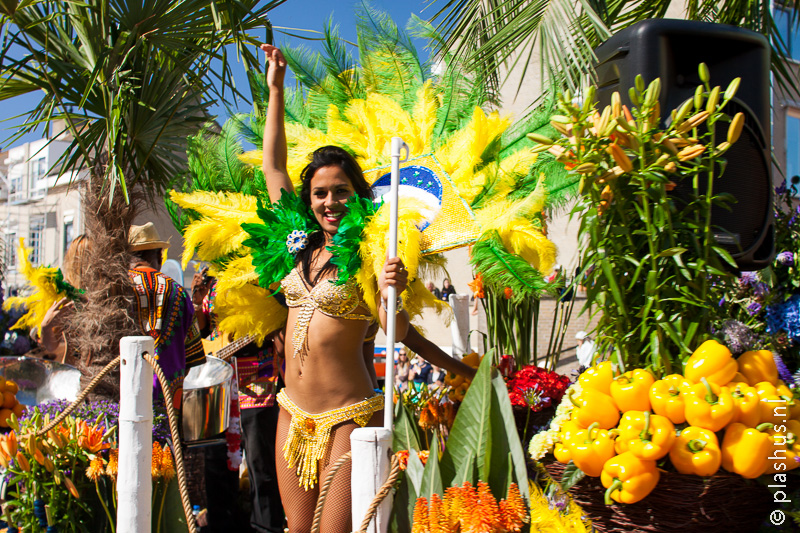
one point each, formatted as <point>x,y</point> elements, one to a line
<point>471,431</point>
<point>432,475</point>
<point>414,471</point>
<point>405,435</point>
<point>572,474</point>
<point>507,453</point>
<point>403,507</point>
<point>669,252</point>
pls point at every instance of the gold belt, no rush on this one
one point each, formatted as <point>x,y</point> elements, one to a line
<point>307,441</point>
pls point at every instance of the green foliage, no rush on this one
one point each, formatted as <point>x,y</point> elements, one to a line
<point>271,258</point>
<point>127,80</point>
<point>650,254</point>
<point>501,269</point>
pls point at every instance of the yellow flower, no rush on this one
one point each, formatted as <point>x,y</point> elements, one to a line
<point>113,463</point>
<point>95,469</point>
<point>167,464</point>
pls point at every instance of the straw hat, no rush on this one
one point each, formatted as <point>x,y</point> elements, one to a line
<point>145,238</point>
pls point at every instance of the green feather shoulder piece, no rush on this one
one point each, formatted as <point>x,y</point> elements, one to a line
<point>346,242</point>
<point>283,232</point>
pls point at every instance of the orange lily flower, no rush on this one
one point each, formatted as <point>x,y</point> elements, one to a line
<point>90,438</point>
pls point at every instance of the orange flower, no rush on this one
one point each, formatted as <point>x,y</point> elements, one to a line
<point>428,418</point>
<point>508,293</point>
<point>486,516</point>
<point>512,510</point>
<point>113,463</point>
<point>8,448</point>
<point>90,438</point>
<point>167,464</point>
<point>22,462</point>
<point>437,517</point>
<point>452,505</point>
<point>95,469</point>
<point>477,286</point>
<point>449,414</point>
<point>155,465</point>
<point>420,520</point>
<point>468,500</point>
<point>423,456</point>
<point>402,456</point>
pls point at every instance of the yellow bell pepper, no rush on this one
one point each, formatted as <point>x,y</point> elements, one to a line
<point>593,406</point>
<point>696,451</point>
<point>591,448</point>
<point>666,397</point>
<point>746,404</point>
<point>777,404</point>
<point>647,436</point>
<point>712,361</point>
<point>630,390</point>
<point>739,378</point>
<point>562,453</point>
<point>785,439</point>
<point>708,406</point>
<point>745,450</point>
<point>628,479</point>
<point>758,365</point>
<point>598,377</point>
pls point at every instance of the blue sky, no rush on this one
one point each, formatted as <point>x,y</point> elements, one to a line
<point>305,14</point>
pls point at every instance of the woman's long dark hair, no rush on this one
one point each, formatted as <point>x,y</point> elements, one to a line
<point>325,157</point>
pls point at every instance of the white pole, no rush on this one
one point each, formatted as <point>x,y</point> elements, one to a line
<point>397,146</point>
<point>371,462</point>
<point>134,482</point>
<point>459,328</point>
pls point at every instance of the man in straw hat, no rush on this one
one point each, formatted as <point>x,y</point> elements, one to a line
<point>163,309</point>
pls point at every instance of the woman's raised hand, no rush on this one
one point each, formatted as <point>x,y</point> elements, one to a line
<point>277,66</point>
<point>394,274</point>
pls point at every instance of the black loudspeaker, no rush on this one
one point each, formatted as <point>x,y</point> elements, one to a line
<point>672,49</point>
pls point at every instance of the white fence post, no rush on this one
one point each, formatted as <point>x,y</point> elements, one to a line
<point>460,325</point>
<point>134,482</point>
<point>371,462</point>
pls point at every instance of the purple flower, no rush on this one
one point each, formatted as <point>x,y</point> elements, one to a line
<point>748,278</point>
<point>754,308</point>
<point>786,258</point>
<point>737,336</point>
<point>760,289</point>
<point>783,371</point>
<point>780,189</point>
<point>721,302</point>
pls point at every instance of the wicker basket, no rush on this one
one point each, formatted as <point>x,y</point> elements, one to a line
<point>724,502</point>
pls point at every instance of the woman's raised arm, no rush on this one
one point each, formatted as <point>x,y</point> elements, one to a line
<point>274,147</point>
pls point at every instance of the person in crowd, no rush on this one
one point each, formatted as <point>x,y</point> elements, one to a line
<point>436,377</point>
<point>447,290</point>
<point>328,385</point>
<point>420,372</point>
<point>402,371</point>
<point>585,349</point>
<point>163,310</point>
<point>257,369</point>
<point>435,291</point>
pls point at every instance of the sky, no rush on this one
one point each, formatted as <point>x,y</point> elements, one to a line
<point>305,14</point>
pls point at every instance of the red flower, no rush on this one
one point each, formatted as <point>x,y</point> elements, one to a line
<point>536,388</point>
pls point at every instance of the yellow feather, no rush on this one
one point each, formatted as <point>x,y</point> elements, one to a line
<point>360,114</point>
<point>44,295</point>
<point>393,121</point>
<point>219,232</point>
<point>345,134</point>
<point>302,142</point>
<point>252,157</point>
<point>236,273</point>
<point>424,115</point>
<point>249,310</point>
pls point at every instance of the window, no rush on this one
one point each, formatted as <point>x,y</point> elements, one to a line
<point>11,251</point>
<point>788,31</point>
<point>69,234</point>
<point>793,149</point>
<point>36,239</point>
<point>38,173</point>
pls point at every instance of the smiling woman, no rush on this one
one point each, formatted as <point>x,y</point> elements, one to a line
<point>329,388</point>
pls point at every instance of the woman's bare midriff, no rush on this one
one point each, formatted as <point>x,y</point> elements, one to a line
<point>333,374</point>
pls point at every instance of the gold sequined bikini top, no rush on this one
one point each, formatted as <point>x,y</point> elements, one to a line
<point>338,301</point>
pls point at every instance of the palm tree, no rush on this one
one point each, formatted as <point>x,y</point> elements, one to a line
<point>130,79</point>
<point>488,33</point>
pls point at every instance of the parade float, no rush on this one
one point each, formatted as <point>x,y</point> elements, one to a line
<point>673,426</point>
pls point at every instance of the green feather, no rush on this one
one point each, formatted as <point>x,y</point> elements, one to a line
<point>267,242</point>
<point>502,269</point>
<point>346,242</point>
<point>62,285</point>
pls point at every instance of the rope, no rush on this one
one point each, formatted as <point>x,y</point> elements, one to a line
<point>176,442</point>
<point>394,473</point>
<point>82,396</point>
<point>323,491</point>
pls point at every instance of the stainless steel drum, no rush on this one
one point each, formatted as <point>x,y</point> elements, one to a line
<point>40,380</point>
<point>206,399</point>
